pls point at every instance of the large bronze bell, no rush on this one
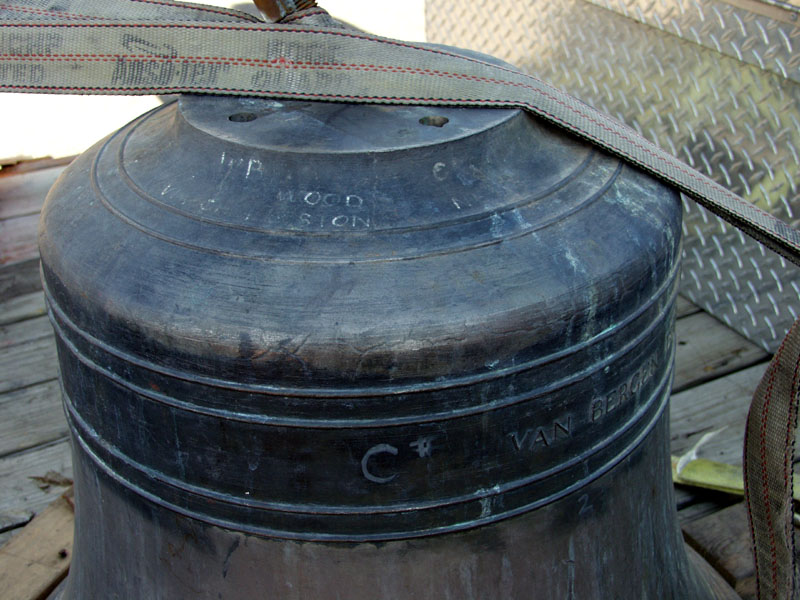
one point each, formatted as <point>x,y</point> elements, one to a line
<point>319,351</point>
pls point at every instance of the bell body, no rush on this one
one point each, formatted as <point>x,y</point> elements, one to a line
<point>329,351</point>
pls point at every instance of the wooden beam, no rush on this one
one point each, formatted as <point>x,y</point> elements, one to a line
<point>723,539</point>
<point>34,561</point>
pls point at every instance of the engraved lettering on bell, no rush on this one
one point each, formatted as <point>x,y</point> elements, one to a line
<point>542,436</point>
<point>328,211</point>
<point>374,451</point>
<point>423,445</point>
<point>628,391</point>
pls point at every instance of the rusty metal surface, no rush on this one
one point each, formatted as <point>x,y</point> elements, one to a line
<point>716,84</point>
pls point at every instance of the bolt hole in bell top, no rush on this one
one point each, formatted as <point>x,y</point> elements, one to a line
<point>242,117</point>
<point>434,121</point>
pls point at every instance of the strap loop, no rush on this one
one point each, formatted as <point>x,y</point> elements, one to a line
<point>768,475</point>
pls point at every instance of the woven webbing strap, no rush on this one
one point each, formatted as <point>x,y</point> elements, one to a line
<point>159,46</point>
<point>769,454</point>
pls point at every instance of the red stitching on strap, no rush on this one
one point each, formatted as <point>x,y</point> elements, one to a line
<point>762,444</point>
<point>789,452</point>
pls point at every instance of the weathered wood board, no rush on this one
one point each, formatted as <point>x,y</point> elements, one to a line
<point>28,363</point>
<point>33,429</point>
<point>31,416</point>
<point>720,589</point>
<point>717,406</point>
<point>24,193</point>
<point>22,307</point>
<point>36,560</point>
<point>723,540</point>
<point>18,240</point>
<point>20,278</point>
<point>707,349</point>
<point>19,492</point>
<point>24,331</point>
<point>685,307</point>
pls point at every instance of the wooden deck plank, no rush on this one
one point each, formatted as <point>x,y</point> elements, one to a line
<point>18,238</point>
<point>723,540</point>
<point>708,349</point>
<point>19,493</point>
<point>19,278</point>
<point>24,194</point>
<point>21,198</point>
<point>685,307</point>
<point>24,165</point>
<point>28,363</point>
<point>20,308</point>
<point>703,503</point>
<point>34,562</point>
<point>19,254</point>
<point>12,521</point>
<point>24,331</point>
<point>7,535</point>
<point>718,587</point>
<point>720,405</point>
<point>30,417</point>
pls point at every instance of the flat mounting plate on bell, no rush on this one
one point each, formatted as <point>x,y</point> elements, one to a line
<point>404,182</point>
<point>308,127</point>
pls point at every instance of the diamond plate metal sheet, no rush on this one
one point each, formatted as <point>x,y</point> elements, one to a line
<point>758,33</point>
<point>716,83</point>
